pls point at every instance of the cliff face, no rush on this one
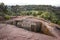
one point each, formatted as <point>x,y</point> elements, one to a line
<point>35,24</point>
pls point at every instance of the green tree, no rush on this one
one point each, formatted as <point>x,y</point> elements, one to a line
<point>3,9</point>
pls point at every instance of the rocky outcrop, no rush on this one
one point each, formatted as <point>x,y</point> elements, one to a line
<point>35,24</point>
<point>11,32</point>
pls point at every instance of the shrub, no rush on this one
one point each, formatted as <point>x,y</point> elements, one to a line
<point>7,17</point>
<point>46,15</point>
<point>58,22</point>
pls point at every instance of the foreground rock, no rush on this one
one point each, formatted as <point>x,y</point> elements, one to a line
<point>10,32</point>
<point>36,25</point>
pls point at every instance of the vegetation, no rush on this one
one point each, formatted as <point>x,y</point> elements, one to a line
<point>7,17</point>
<point>47,12</point>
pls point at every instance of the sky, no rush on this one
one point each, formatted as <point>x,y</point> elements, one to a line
<point>31,2</point>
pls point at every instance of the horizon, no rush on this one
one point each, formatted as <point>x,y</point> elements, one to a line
<point>31,2</point>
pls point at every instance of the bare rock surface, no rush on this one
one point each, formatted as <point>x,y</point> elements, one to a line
<point>33,24</point>
<point>10,32</point>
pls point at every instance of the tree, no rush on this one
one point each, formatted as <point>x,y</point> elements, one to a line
<point>3,9</point>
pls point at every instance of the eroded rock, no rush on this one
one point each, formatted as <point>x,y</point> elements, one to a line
<point>10,32</point>
<point>35,24</point>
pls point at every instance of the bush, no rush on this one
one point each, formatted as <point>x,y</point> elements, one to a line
<point>58,22</point>
<point>46,15</point>
<point>7,17</point>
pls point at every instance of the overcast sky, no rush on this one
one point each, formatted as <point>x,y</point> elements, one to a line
<point>31,2</point>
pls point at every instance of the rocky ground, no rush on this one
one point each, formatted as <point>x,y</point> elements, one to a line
<point>12,32</point>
